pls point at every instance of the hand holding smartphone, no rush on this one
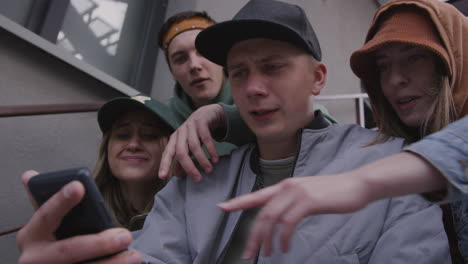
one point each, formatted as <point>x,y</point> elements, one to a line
<point>89,216</point>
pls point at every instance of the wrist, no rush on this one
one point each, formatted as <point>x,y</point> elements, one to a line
<point>370,186</point>
<point>219,126</point>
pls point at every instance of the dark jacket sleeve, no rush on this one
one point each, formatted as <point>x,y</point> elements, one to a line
<point>237,132</point>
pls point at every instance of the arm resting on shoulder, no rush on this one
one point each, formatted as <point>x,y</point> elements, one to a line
<point>238,133</point>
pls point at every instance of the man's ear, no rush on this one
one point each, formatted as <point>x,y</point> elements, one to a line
<point>320,77</point>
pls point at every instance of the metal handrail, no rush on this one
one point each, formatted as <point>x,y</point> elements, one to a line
<point>47,109</point>
<point>359,101</point>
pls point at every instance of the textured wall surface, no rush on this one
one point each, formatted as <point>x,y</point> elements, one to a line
<point>46,142</point>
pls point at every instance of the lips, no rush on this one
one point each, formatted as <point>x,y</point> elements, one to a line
<point>134,158</point>
<point>198,81</point>
<point>407,102</point>
<point>262,114</point>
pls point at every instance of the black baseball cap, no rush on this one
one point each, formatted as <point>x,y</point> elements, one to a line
<point>114,108</point>
<point>259,19</point>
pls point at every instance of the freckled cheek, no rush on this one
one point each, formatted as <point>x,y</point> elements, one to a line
<point>113,164</point>
<point>111,157</point>
<point>180,74</point>
<point>113,150</point>
<point>386,91</point>
<point>215,69</point>
<point>236,95</point>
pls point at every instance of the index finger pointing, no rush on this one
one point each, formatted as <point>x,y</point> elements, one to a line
<point>250,200</point>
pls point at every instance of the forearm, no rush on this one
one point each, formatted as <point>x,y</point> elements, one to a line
<point>237,132</point>
<point>397,175</point>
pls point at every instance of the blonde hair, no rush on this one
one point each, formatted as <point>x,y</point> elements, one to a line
<point>440,113</point>
<point>110,188</point>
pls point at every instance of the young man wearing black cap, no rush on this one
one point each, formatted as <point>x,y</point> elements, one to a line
<point>273,60</point>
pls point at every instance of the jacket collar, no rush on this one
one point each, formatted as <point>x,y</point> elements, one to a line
<point>319,122</point>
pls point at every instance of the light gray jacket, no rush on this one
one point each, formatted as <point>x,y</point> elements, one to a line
<point>185,226</point>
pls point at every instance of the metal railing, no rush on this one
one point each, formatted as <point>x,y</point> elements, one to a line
<point>358,99</point>
<point>48,109</point>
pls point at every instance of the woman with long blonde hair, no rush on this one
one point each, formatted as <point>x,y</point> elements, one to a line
<point>135,132</point>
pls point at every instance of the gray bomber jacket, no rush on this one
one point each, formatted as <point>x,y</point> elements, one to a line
<point>186,226</point>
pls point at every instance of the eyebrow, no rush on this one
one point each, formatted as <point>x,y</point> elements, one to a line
<point>235,66</point>
<point>177,53</point>
<point>262,60</point>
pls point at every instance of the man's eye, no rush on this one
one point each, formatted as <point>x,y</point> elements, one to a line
<point>180,59</point>
<point>237,74</point>
<point>272,67</point>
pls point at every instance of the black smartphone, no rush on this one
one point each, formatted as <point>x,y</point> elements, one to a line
<point>89,216</point>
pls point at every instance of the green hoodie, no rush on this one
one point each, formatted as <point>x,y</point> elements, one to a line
<point>181,106</point>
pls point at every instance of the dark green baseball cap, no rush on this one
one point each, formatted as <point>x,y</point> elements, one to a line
<point>114,108</point>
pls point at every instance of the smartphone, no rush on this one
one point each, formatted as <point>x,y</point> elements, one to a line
<point>89,216</point>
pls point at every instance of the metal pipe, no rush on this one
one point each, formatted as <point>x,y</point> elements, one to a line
<point>48,109</point>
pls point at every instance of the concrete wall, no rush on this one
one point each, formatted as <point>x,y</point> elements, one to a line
<point>340,26</point>
<point>28,75</point>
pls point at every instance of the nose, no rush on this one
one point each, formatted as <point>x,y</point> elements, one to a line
<point>134,144</point>
<point>196,63</point>
<point>397,76</point>
<point>256,86</point>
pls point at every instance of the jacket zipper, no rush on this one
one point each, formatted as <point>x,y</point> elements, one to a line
<point>223,253</point>
<point>299,141</point>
